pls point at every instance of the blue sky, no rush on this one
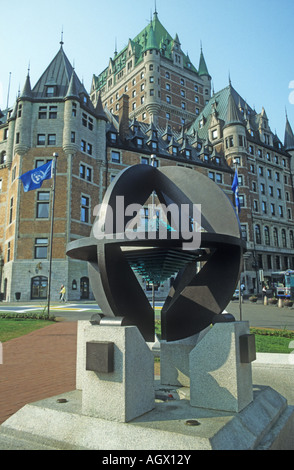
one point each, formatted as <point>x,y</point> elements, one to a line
<point>251,40</point>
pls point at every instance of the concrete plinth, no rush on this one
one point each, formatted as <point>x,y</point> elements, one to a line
<point>267,423</point>
<point>219,380</point>
<point>174,359</point>
<point>128,390</point>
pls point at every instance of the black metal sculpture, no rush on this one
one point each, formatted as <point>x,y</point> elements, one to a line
<point>196,298</point>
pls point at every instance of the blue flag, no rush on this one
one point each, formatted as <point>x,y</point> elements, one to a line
<point>33,179</point>
<point>235,189</point>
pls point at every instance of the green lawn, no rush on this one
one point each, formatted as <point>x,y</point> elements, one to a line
<point>10,329</point>
<point>268,341</point>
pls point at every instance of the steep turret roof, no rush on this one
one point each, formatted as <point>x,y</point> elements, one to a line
<point>58,73</point>
<point>232,116</point>
<point>202,69</point>
<point>27,90</point>
<point>289,136</point>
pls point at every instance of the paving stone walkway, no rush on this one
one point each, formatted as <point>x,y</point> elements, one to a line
<point>38,365</point>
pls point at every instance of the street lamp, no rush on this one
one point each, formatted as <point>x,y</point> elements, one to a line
<point>153,158</point>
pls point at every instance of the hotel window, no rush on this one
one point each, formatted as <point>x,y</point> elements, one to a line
<point>219,178</point>
<point>43,204</point>
<point>273,210</point>
<point>8,251</point>
<point>279,193</point>
<point>73,137</point>
<point>214,134</point>
<point>269,262</point>
<point>167,86</point>
<point>145,160</point>
<point>52,139</point>
<point>50,91</point>
<point>291,236</point>
<point>267,236</point>
<point>82,171</point>
<point>289,214</point>
<point>284,238</point>
<point>41,139</point>
<point>89,149</point>
<point>277,176</point>
<point>83,145</point>
<point>276,236</point>
<point>271,190</point>
<point>244,232</point>
<point>85,209</point>
<point>281,213</point>
<point>255,205</point>
<point>74,109</point>
<point>41,247</point>
<point>257,234</point>
<point>11,210</point>
<point>115,156</point>
<point>52,112</point>
<point>262,188</point>
<point>211,175</point>
<point>42,112</point>
<point>263,205</point>
<point>269,174</point>
<point>260,170</point>
<point>168,99</point>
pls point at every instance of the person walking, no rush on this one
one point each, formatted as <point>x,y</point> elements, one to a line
<point>62,293</point>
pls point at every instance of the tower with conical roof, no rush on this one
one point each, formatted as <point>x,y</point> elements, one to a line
<point>234,132</point>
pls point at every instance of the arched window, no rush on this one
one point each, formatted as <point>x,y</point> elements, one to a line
<point>276,236</point>
<point>267,239</point>
<point>257,234</point>
<point>291,239</point>
<point>284,238</point>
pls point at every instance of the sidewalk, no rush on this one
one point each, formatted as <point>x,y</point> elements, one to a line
<point>39,365</point>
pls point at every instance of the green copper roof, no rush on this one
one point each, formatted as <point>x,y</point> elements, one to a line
<point>153,36</point>
<point>202,69</point>
<point>224,104</point>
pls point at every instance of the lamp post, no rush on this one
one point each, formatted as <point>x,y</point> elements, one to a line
<point>153,157</point>
<point>239,284</point>
<point>55,155</point>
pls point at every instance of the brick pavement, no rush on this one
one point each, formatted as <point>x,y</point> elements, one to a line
<point>38,365</point>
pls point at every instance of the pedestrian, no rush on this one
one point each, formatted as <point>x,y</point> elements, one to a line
<point>62,293</point>
<point>263,291</point>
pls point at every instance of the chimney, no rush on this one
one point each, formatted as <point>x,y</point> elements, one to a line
<point>123,116</point>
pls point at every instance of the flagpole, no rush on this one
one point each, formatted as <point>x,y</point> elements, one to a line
<point>55,155</point>
<point>239,284</point>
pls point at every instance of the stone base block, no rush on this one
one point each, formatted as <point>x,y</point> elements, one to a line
<point>120,385</point>
<point>219,379</point>
<point>174,360</point>
<point>267,424</point>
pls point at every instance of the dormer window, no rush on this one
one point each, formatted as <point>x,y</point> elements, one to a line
<point>113,136</point>
<point>50,91</point>
<point>139,142</point>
